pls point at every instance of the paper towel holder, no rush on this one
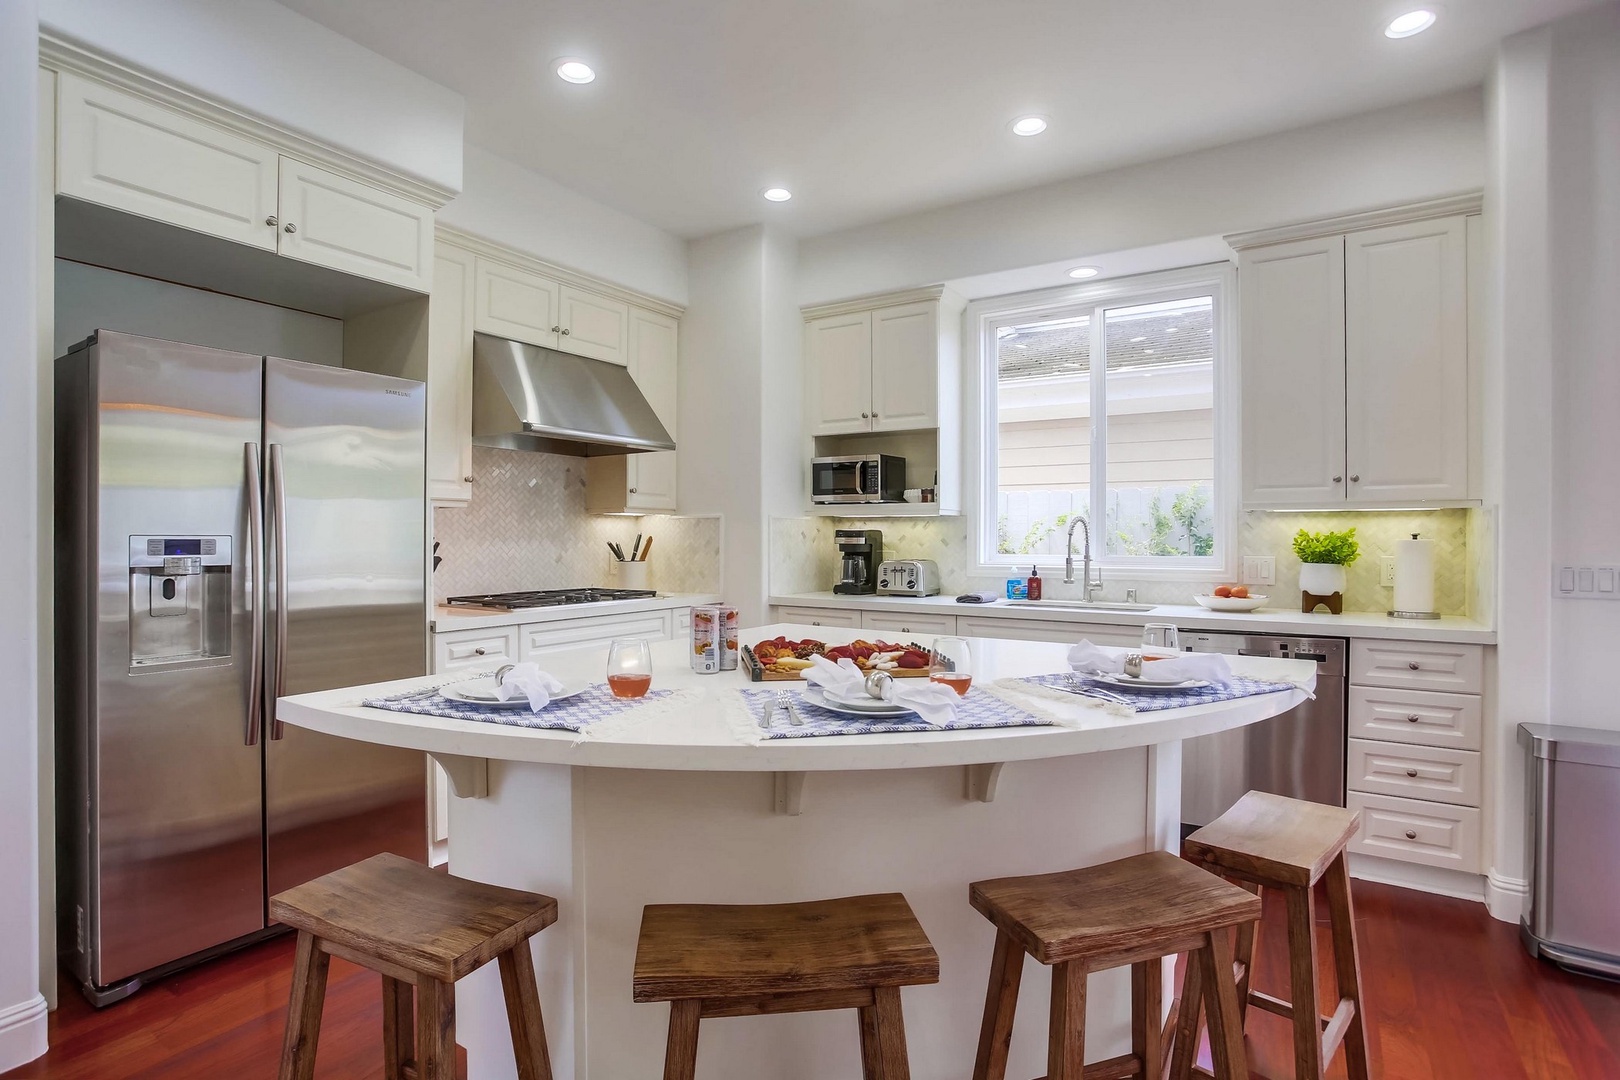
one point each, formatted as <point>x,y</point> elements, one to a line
<point>1414,614</point>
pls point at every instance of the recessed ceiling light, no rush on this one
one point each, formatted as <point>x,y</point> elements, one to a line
<point>1029,125</point>
<point>1413,22</point>
<point>1084,272</point>
<point>777,194</point>
<point>575,71</point>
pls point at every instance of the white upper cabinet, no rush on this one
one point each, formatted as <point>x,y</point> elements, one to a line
<point>1292,355</point>
<point>332,221</point>
<point>593,326</point>
<point>838,373</point>
<point>449,398</point>
<point>516,304</point>
<point>643,483</point>
<point>905,367</point>
<point>1355,368</point>
<point>123,151</point>
<point>1406,377</point>
<point>118,150</point>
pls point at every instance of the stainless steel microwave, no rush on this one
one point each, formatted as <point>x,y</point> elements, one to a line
<point>858,478</point>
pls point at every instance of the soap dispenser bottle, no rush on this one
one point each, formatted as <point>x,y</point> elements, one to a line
<point>1033,584</point>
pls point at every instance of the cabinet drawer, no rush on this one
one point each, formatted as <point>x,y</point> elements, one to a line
<point>1436,773</point>
<point>1415,716</point>
<point>1048,630</point>
<point>908,624</point>
<point>476,649</point>
<point>1417,665</point>
<point>819,616</point>
<point>538,639</point>
<point>1413,830</point>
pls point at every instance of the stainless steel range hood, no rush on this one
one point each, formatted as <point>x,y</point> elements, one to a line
<point>529,398</point>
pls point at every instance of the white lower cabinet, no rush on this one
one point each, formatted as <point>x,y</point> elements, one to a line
<point>1437,773</point>
<point>819,616</point>
<point>538,639</point>
<point>933,625</point>
<point>1412,830</point>
<point>1048,630</point>
<point>475,650</point>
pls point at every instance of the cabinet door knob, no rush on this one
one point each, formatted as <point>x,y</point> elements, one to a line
<point>632,491</point>
<point>1411,834</point>
<point>555,329</point>
<point>271,221</point>
<point>1355,478</point>
<point>565,331</point>
<point>478,651</point>
<point>865,415</point>
<point>466,479</point>
<point>874,416</point>
<point>1338,479</point>
<point>289,228</point>
<point>1412,718</point>
<point>1413,664</point>
<point>1411,772</point>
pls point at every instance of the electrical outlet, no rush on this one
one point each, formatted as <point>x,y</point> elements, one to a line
<point>1259,570</point>
<point>1386,570</point>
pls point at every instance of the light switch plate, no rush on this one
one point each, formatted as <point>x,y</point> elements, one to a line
<point>1259,570</point>
<point>1586,582</point>
<point>1386,570</point>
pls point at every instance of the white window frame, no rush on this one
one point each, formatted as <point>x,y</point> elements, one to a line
<point>1217,280</point>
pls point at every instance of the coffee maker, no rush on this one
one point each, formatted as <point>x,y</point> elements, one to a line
<point>861,551</point>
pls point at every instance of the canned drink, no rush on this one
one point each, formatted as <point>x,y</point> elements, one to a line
<point>706,640</point>
<point>726,624</point>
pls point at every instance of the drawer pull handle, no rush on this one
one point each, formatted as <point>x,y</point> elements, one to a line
<point>1412,718</point>
<point>1411,772</point>
<point>478,651</point>
<point>1413,664</point>
<point>1411,835</point>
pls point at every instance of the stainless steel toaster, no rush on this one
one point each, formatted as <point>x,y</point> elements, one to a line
<point>908,577</point>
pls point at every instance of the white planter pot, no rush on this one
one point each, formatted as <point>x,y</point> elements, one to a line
<point>1322,580</point>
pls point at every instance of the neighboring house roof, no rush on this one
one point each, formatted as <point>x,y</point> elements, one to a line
<point>1144,337</point>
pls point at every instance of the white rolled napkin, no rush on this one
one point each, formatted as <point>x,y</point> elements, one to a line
<point>529,681</point>
<point>1100,660</point>
<point>933,702</point>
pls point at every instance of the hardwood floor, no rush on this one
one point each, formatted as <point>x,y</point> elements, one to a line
<point>1451,995</point>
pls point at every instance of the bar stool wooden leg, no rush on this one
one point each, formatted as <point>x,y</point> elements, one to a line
<point>1147,1001</point>
<point>1000,1004</point>
<point>1302,983</point>
<point>891,1025</point>
<point>435,1030</point>
<point>1066,1034</point>
<point>1347,964</point>
<point>304,1009</point>
<point>523,1013</point>
<point>680,1053</point>
<point>871,1047</point>
<point>1243,953</point>
<point>399,1047</point>
<point>1220,1001</point>
<point>1189,1014</point>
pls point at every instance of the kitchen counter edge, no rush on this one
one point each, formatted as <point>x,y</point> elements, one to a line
<point>448,620</point>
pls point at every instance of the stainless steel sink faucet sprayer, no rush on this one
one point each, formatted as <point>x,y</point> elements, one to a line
<point>1068,561</point>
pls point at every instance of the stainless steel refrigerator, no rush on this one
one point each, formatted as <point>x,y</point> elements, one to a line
<point>230,528</point>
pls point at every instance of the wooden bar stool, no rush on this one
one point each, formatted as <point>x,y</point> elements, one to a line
<point>711,960</point>
<point>419,929</point>
<point>1132,911</point>
<point>1271,842</point>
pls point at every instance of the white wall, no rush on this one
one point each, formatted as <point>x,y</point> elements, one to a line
<point>267,60</point>
<point>509,205</point>
<point>22,1009</point>
<point>1420,150</point>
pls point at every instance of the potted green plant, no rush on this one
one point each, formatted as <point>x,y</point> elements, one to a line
<point>1322,559</point>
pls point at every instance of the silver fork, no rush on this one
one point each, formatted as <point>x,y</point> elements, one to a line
<point>784,700</point>
<point>1091,690</point>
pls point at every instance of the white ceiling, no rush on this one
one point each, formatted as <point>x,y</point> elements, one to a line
<point>867,109</point>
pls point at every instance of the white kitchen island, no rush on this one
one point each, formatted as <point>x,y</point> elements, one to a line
<point>688,808</point>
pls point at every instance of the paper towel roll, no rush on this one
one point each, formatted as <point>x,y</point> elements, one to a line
<point>1414,576</point>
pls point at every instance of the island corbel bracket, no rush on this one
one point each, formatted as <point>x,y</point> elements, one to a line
<point>981,781</point>
<point>469,776</point>
<point>788,793</point>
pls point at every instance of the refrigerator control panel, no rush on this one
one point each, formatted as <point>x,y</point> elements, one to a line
<point>179,554</point>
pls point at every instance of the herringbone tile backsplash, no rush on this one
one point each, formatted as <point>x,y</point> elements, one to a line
<point>526,528</point>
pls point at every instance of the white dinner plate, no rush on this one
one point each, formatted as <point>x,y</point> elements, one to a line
<point>1127,682</point>
<point>871,707</point>
<point>482,692</point>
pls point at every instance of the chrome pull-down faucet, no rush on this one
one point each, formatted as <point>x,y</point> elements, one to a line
<point>1087,583</point>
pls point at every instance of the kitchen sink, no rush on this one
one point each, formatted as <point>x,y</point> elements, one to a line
<point>1080,605</point>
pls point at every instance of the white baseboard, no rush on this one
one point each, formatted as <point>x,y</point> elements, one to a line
<point>1429,879</point>
<point>1507,898</point>
<point>22,1032</point>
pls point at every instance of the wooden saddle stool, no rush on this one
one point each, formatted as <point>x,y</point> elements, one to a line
<point>1271,842</point>
<point>1132,911</point>
<point>711,960</point>
<point>421,930</point>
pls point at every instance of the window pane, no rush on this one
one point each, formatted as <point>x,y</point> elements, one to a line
<point>1160,428</point>
<point>1043,398</point>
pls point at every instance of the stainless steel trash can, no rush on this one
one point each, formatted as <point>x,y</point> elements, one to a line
<point>1572,793</point>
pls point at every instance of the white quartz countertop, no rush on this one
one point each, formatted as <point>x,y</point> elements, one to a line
<point>447,619</point>
<point>1268,620</point>
<point>698,737</point>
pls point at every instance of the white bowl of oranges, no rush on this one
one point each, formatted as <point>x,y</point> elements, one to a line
<point>1231,598</point>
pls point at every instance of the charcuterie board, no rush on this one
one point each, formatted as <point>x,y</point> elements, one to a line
<point>759,672</point>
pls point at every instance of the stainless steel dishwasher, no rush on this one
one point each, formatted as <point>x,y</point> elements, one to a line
<point>1299,753</point>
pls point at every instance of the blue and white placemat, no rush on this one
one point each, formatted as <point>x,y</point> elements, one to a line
<point>978,709</point>
<point>590,706</point>
<point>1158,700</point>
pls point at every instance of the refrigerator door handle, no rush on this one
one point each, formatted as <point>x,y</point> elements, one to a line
<point>278,500</point>
<point>255,501</point>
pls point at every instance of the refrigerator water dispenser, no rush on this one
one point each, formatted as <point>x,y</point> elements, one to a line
<point>179,601</point>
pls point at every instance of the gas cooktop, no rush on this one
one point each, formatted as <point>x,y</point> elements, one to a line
<point>549,598</point>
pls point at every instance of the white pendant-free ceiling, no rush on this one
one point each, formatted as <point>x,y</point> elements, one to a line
<point>871,108</point>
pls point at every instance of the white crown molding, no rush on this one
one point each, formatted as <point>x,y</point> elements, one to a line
<point>489,249</point>
<point>868,303</point>
<point>23,1032</point>
<point>58,53</point>
<point>1471,202</point>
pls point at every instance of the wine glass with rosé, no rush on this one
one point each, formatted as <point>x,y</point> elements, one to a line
<point>951,663</point>
<point>629,667</point>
